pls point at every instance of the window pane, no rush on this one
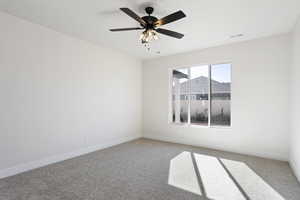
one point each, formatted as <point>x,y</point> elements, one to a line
<point>220,94</point>
<point>180,89</point>
<point>199,95</point>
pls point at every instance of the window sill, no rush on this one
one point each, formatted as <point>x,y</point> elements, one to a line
<point>199,126</point>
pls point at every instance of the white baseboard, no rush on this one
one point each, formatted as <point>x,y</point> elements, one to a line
<point>57,158</point>
<point>294,169</point>
<point>261,155</point>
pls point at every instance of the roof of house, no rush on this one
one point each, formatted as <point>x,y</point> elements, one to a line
<point>199,85</point>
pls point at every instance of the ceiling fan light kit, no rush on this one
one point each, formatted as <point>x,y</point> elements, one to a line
<point>151,24</point>
<point>148,35</point>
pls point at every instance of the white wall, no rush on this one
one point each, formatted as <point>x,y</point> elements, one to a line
<point>60,96</point>
<point>260,80</point>
<point>295,105</point>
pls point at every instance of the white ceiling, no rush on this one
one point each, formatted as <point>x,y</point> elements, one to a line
<point>208,22</point>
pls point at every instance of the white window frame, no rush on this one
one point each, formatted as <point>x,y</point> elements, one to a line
<point>188,124</point>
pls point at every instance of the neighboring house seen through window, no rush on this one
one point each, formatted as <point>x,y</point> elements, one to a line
<point>202,95</point>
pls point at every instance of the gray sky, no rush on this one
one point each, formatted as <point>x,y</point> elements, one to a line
<point>219,72</point>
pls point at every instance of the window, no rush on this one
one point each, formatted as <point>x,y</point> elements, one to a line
<point>201,95</point>
<point>199,82</point>
<point>220,94</point>
<point>180,90</point>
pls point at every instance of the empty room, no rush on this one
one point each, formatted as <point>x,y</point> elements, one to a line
<point>149,100</point>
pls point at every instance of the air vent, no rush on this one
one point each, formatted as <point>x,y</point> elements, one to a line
<point>236,36</point>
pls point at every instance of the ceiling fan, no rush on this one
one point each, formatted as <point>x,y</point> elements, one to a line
<point>151,24</point>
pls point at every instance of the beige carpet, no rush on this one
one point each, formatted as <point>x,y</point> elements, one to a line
<point>147,170</point>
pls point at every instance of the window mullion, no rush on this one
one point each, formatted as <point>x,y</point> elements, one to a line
<point>209,94</point>
<point>189,96</point>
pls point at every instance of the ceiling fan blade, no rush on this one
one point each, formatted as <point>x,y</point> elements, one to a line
<point>133,15</point>
<point>170,33</point>
<point>125,29</point>
<point>170,18</point>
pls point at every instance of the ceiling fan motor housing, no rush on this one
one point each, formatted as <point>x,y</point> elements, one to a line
<point>150,21</point>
